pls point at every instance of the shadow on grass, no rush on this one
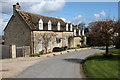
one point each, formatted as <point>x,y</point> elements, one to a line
<point>101,57</point>
<point>94,57</point>
<point>74,60</point>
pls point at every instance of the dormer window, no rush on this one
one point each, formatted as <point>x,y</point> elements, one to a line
<point>71,27</point>
<point>58,26</point>
<point>83,32</point>
<point>49,25</point>
<point>66,27</point>
<point>79,32</point>
<point>74,32</point>
<point>40,24</point>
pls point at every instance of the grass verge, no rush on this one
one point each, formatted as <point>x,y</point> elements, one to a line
<point>97,66</point>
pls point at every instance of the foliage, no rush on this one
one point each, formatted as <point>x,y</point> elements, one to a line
<point>46,38</point>
<point>74,47</point>
<point>83,46</point>
<point>78,45</point>
<point>101,33</point>
<point>57,49</point>
<point>34,54</point>
<point>117,37</point>
<point>64,48</point>
<point>41,52</point>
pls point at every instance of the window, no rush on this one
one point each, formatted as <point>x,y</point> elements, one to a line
<point>79,32</point>
<point>58,25</point>
<point>83,32</point>
<point>49,44</point>
<point>49,25</point>
<point>40,24</point>
<point>40,45</point>
<point>74,32</point>
<point>71,27</point>
<point>66,27</point>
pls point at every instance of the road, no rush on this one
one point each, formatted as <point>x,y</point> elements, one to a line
<point>64,66</point>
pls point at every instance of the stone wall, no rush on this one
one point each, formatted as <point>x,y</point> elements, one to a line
<point>66,36</point>
<point>17,32</point>
<point>77,41</point>
<point>37,38</point>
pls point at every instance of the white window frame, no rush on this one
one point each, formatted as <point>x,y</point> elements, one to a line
<point>49,25</point>
<point>71,27</point>
<point>74,32</point>
<point>49,44</point>
<point>83,33</point>
<point>40,46</point>
<point>66,27</point>
<point>40,24</point>
<point>58,26</point>
<point>79,32</point>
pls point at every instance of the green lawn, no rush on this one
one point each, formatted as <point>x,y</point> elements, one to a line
<point>97,66</point>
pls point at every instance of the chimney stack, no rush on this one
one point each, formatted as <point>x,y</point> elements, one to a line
<point>15,7</point>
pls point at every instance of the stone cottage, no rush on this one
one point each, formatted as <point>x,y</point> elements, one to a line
<point>28,29</point>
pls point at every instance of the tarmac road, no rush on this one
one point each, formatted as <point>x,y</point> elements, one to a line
<point>64,66</point>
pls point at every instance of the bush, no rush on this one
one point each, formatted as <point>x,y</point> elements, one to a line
<point>41,52</point>
<point>74,47</point>
<point>83,46</point>
<point>57,49</point>
<point>34,54</point>
<point>78,45</point>
<point>64,48</point>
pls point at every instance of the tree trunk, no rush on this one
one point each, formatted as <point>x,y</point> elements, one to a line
<point>45,50</point>
<point>106,49</point>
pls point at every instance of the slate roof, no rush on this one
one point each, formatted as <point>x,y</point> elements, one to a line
<point>33,20</point>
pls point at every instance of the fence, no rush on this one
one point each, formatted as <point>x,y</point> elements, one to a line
<point>5,51</point>
<point>13,51</point>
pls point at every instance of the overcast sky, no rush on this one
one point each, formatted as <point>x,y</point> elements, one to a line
<point>74,12</point>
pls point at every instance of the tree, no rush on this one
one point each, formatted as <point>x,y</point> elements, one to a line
<point>117,34</point>
<point>102,33</point>
<point>46,38</point>
<point>81,25</point>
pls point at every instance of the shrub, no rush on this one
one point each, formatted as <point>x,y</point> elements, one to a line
<point>34,54</point>
<point>57,49</point>
<point>78,45</point>
<point>83,46</point>
<point>64,48</point>
<point>41,52</point>
<point>74,47</point>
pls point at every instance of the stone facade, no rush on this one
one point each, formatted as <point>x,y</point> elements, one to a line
<point>17,32</point>
<point>77,41</point>
<point>23,30</point>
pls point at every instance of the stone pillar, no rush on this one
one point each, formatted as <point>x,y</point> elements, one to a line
<point>13,48</point>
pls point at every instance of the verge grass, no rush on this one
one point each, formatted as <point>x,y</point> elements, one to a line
<point>97,66</point>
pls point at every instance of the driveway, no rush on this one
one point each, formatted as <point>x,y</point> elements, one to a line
<point>64,66</point>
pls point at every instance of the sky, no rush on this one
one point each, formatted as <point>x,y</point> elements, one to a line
<point>71,12</point>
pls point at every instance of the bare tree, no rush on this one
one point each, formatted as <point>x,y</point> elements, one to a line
<point>102,32</point>
<point>46,38</point>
